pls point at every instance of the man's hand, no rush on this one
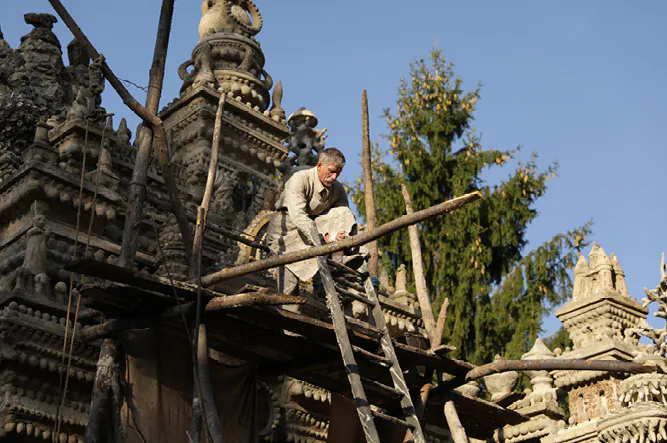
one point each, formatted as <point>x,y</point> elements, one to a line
<point>340,236</point>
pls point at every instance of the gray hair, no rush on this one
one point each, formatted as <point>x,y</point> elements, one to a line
<point>332,156</point>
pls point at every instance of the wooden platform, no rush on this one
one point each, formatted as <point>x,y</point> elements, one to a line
<point>282,342</point>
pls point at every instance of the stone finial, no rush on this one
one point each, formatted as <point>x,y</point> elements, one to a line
<point>597,256</point>
<point>305,142</point>
<point>601,264</point>
<point>539,379</point>
<point>385,285</point>
<point>40,20</point>
<point>277,112</point>
<point>402,278</point>
<point>225,16</point>
<point>539,351</point>
<point>77,54</point>
<point>579,289</point>
<point>619,277</point>
<point>123,133</point>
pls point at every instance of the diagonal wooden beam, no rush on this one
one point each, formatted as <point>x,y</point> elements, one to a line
<point>350,242</point>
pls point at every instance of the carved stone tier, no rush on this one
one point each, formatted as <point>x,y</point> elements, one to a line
<point>228,57</point>
<point>607,316</point>
<point>31,347</point>
<point>250,151</point>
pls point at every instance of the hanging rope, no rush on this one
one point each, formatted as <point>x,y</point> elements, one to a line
<point>56,426</point>
<point>62,393</point>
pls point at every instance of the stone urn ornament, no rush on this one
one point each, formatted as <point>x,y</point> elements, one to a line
<point>501,384</point>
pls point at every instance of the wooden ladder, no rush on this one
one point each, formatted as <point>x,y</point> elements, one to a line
<point>349,353</point>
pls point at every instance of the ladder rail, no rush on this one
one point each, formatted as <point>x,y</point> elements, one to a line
<point>347,353</point>
<point>395,367</point>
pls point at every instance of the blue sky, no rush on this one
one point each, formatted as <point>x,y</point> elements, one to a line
<point>581,83</point>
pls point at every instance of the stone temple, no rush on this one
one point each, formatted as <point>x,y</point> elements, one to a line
<point>65,168</point>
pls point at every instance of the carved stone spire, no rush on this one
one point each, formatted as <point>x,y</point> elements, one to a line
<point>579,290</point>
<point>619,276</point>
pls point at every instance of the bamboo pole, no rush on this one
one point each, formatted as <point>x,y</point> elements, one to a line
<point>369,195</point>
<point>418,269</point>
<point>149,118</point>
<point>350,242</point>
<point>454,423</point>
<point>137,190</point>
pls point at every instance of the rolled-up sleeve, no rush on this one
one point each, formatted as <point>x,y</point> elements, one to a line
<point>296,204</point>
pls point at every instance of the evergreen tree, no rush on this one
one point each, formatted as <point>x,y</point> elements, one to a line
<point>476,256</point>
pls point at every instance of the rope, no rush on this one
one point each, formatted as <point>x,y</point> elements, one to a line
<point>56,425</point>
<point>62,395</point>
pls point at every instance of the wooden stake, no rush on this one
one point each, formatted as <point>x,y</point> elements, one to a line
<point>208,191</point>
<point>137,189</point>
<point>149,118</point>
<point>207,398</point>
<point>350,242</point>
<point>201,399</point>
<point>100,404</point>
<point>418,269</point>
<point>454,423</point>
<point>369,196</point>
<point>442,319</point>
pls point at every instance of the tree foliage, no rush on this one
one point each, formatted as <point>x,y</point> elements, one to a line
<point>476,256</point>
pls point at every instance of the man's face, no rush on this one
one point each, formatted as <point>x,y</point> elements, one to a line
<point>329,173</point>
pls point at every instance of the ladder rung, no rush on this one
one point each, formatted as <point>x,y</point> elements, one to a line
<point>365,327</point>
<point>355,295</point>
<point>391,419</point>
<point>371,357</point>
<point>382,388</point>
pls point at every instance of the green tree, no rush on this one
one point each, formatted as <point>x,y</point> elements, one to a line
<point>498,292</point>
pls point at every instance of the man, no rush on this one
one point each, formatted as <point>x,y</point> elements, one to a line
<point>312,198</point>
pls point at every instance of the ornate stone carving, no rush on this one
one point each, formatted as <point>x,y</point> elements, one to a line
<point>305,143</point>
<point>35,261</point>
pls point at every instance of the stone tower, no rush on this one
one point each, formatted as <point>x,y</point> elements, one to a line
<point>604,323</point>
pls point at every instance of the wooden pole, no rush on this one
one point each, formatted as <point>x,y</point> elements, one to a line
<point>100,404</point>
<point>206,388</point>
<point>418,269</point>
<point>149,118</point>
<point>442,319</point>
<point>350,242</point>
<point>202,399</point>
<point>560,364</point>
<point>137,189</point>
<point>454,423</point>
<point>369,196</point>
<point>195,271</point>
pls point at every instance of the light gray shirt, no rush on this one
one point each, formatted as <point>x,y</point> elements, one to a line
<point>305,197</point>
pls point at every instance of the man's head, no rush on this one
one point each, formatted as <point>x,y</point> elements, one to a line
<point>330,165</point>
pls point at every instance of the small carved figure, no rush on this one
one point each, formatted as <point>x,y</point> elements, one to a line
<point>35,259</point>
<point>61,292</point>
<point>212,17</point>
